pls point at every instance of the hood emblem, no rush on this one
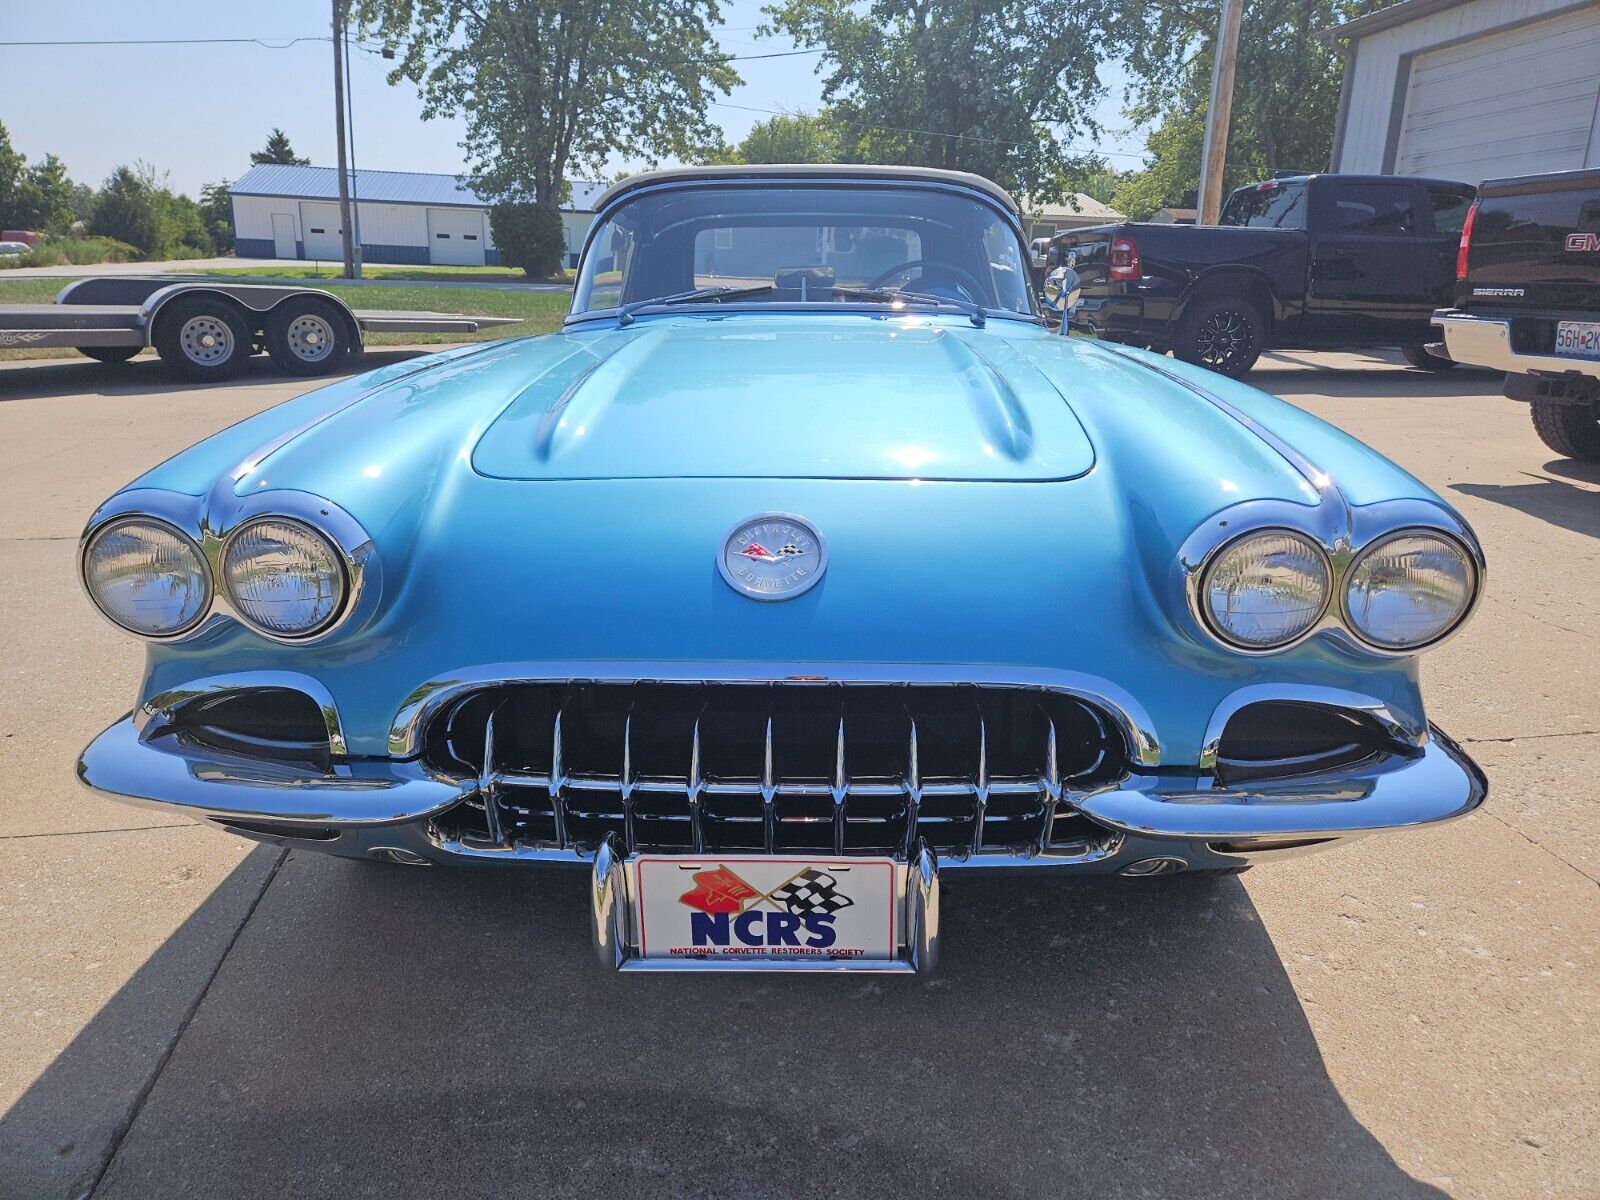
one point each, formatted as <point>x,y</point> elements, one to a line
<point>751,568</point>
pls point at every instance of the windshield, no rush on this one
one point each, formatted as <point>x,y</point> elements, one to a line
<point>773,245</point>
<point>1268,205</point>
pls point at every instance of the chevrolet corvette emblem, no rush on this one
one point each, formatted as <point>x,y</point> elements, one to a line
<point>750,567</point>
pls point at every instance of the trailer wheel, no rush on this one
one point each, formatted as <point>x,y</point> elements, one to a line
<point>1419,357</point>
<point>1572,430</point>
<point>307,337</point>
<point>202,338</point>
<point>110,354</point>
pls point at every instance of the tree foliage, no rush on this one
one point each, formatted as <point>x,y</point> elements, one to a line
<point>38,197</point>
<point>529,236</point>
<point>136,206</point>
<point>278,150</point>
<point>216,214</point>
<point>549,85</point>
<point>1286,92</point>
<point>998,87</point>
<point>796,138</point>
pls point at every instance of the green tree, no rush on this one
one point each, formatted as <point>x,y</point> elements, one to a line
<point>216,212</point>
<point>796,138</point>
<point>529,236</point>
<point>11,175</point>
<point>545,85</point>
<point>992,86</point>
<point>278,150</point>
<point>126,210</point>
<point>46,197</point>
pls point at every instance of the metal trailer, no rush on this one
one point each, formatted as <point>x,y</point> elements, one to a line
<point>205,329</point>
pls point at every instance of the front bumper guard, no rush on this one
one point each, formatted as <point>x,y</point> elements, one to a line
<point>1437,782</point>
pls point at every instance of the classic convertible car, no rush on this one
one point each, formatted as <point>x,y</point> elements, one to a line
<point>803,563</point>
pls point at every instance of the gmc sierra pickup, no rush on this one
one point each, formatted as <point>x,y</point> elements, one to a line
<point>1311,261</point>
<point>1528,300</point>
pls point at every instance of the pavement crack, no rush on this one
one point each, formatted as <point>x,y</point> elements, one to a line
<point>17,837</point>
<point>125,1126</point>
<point>1538,845</point>
<point>1528,737</point>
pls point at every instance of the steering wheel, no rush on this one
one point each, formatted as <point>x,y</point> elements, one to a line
<point>962,282</point>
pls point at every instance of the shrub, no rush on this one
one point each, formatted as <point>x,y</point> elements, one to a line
<point>529,236</point>
<point>74,252</point>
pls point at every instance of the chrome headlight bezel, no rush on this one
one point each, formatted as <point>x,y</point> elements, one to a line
<point>337,559</point>
<point>210,522</point>
<point>1469,559</point>
<point>92,538</point>
<point>1199,592</point>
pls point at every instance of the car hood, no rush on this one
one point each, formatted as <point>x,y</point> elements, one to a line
<point>758,396</point>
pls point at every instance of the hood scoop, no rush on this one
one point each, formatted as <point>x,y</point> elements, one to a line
<point>788,398</point>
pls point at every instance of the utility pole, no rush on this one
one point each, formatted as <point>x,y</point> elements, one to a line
<point>338,112</point>
<point>1220,113</point>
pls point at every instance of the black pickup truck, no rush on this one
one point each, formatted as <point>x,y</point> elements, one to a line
<point>1528,300</point>
<point>1306,262</point>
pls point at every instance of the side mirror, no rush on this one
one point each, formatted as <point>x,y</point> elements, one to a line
<point>1063,292</point>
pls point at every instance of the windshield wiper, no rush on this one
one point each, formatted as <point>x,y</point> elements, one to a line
<point>625,314</point>
<point>972,309</point>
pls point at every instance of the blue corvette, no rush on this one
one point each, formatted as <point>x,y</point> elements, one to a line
<point>802,564</point>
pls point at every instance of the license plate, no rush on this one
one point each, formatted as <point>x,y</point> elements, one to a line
<point>763,912</point>
<point>1578,339</point>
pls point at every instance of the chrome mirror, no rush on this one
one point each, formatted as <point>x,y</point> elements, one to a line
<point>1062,293</point>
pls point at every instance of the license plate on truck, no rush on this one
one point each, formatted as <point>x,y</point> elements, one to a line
<point>1578,339</point>
<point>734,912</point>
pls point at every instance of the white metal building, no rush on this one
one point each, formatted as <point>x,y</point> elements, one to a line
<point>402,217</point>
<point>1470,89</point>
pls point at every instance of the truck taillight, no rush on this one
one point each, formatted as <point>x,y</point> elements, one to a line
<point>1466,241</point>
<point>1124,259</point>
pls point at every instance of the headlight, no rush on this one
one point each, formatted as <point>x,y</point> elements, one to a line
<point>1409,589</point>
<point>1265,589</point>
<point>283,577</point>
<point>147,577</point>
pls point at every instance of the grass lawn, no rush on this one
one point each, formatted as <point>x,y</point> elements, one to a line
<point>293,270</point>
<point>540,312</point>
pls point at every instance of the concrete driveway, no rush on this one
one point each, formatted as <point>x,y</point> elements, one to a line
<point>181,1013</point>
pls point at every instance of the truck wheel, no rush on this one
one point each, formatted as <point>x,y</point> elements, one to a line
<point>307,337</point>
<point>1569,429</point>
<point>1225,334</point>
<point>110,354</point>
<point>202,338</point>
<point>1419,357</point>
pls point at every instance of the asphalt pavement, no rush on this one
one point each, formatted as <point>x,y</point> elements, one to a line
<point>1409,1016</point>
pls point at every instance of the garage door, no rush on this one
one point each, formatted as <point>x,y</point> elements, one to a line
<point>1513,103</point>
<point>323,238</point>
<point>455,236</point>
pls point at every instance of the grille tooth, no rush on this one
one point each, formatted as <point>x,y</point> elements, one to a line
<point>775,768</point>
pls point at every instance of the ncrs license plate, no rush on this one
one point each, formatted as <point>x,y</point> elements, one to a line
<point>1578,339</point>
<point>745,912</point>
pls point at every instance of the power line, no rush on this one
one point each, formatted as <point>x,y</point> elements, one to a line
<point>265,43</point>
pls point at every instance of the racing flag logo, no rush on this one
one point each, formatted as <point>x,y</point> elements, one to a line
<point>729,911</point>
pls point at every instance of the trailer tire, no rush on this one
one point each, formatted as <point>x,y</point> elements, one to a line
<point>202,338</point>
<point>110,355</point>
<point>1569,429</point>
<point>1419,357</point>
<point>1222,332</point>
<point>308,336</point>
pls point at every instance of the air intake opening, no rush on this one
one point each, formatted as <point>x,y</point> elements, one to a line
<point>1284,739</point>
<point>280,724</point>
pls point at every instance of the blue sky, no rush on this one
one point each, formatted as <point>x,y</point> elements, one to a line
<point>198,111</point>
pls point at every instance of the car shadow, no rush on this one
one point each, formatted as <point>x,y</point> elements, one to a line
<point>391,1031</point>
<point>1551,500</point>
<point>148,375</point>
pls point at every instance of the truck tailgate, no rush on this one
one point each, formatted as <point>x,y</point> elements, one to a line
<point>1535,244</point>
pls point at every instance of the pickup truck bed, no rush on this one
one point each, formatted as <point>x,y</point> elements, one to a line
<point>306,330</point>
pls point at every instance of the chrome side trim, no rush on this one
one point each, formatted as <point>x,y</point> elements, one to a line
<point>429,698</point>
<point>1404,732</point>
<point>153,716</point>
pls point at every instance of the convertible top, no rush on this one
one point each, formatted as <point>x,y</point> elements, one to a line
<point>840,171</point>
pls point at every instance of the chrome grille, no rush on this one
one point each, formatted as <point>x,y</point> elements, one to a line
<point>775,768</point>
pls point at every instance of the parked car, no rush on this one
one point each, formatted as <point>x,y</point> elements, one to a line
<point>766,593</point>
<point>1307,262</point>
<point>11,249</point>
<point>1528,301</point>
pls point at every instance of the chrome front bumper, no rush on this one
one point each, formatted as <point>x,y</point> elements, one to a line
<point>1486,342</point>
<point>381,808</point>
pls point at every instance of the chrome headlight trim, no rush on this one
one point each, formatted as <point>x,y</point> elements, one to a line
<point>1470,556</point>
<point>1200,579</point>
<point>340,561</point>
<point>92,535</point>
<point>210,522</point>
